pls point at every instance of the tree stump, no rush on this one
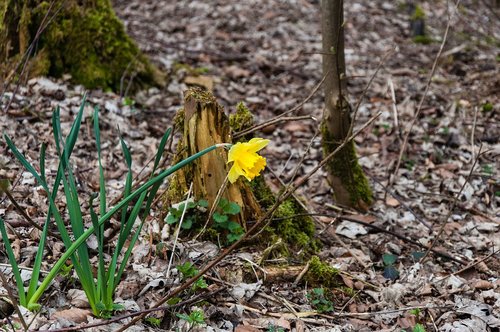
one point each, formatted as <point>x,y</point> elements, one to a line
<point>205,124</point>
<point>81,37</point>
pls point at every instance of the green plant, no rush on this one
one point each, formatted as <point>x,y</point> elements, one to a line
<point>127,101</point>
<point>487,169</point>
<point>390,271</point>
<point>175,213</point>
<point>319,301</point>
<point>274,328</point>
<point>196,317</point>
<point>418,328</point>
<point>153,321</point>
<point>487,107</point>
<point>225,209</point>
<point>98,288</point>
<point>188,271</point>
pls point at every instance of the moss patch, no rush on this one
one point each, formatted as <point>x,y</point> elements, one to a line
<point>321,274</point>
<point>241,120</point>
<point>346,175</point>
<point>296,231</point>
<point>85,40</point>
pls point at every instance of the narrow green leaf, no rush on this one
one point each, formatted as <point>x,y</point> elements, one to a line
<point>79,241</point>
<point>13,264</point>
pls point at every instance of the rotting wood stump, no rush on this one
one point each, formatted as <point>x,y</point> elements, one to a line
<point>205,124</point>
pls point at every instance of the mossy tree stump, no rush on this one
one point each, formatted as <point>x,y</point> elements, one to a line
<point>81,37</point>
<point>205,124</point>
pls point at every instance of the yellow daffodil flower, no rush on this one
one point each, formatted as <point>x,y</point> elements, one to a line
<point>246,161</point>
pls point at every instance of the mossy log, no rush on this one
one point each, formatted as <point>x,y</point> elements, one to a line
<point>205,124</point>
<point>81,37</point>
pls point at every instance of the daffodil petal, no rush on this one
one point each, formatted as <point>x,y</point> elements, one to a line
<point>246,161</point>
<point>233,174</point>
<point>257,144</point>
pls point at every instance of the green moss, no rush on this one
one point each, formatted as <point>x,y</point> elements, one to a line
<point>321,274</point>
<point>425,40</point>
<point>418,13</point>
<point>242,119</point>
<point>487,107</point>
<point>87,41</point>
<point>297,232</point>
<point>345,169</point>
<point>178,66</point>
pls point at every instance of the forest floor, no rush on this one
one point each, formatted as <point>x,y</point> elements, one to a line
<point>266,54</point>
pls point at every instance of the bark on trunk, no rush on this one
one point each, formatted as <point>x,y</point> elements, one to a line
<point>344,173</point>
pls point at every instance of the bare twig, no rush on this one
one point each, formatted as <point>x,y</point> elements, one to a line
<point>26,216</point>
<point>13,300</point>
<point>420,104</point>
<point>454,203</point>
<point>471,265</point>
<point>286,194</point>
<point>380,229</point>
<point>179,229</point>
<point>277,118</point>
<point>192,300</point>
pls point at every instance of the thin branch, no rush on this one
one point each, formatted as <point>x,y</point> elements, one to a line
<point>193,300</point>
<point>179,229</point>
<point>420,104</point>
<point>299,106</point>
<point>286,194</point>
<point>13,300</point>
<point>455,201</point>
<point>380,229</point>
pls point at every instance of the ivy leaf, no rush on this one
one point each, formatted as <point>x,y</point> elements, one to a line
<point>391,273</point>
<point>232,208</point>
<point>417,255</point>
<point>187,223</point>
<point>203,203</point>
<point>220,218</point>
<point>389,259</point>
<point>171,219</point>
<point>232,237</point>
<point>234,227</point>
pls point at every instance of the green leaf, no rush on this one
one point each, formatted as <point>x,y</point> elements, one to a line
<point>389,259</point>
<point>390,272</point>
<point>174,300</point>
<point>13,264</point>
<point>418,328</point>
<point>231,237</point>
<point>234,227</point>
<point>203,203</point>
<point>187,223</point>
<point>171,219</point>
<point>184,317</point>
<point>417,255</point>
<point>220,218</point>
<point>232,208</point>
<point>118,307</point>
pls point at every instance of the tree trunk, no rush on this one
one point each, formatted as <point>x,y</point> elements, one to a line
<point>205,124</point>
<point>346,177</point>
<point>81,37</point>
